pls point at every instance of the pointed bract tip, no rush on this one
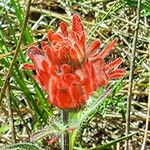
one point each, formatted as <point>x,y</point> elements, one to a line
<point>75,16</point>
<point>49,35</point>
<point>33,50</point>
<point>63,27</point>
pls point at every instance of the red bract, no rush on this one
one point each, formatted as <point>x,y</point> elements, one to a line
<point>68,70</point>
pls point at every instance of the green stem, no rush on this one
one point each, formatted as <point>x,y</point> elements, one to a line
<point>65,135</point>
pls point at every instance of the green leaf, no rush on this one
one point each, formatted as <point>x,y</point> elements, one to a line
<point>4,128</point>
<point>145,5</point>
<point>20,15</point>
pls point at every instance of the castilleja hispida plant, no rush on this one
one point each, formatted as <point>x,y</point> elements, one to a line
<point>69,70</point>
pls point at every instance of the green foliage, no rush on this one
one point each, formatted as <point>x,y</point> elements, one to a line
<point>33,97</point>
<point>145,6</point>
<point>100,103</point>
<point>20,15</point>
<point>113,102</point>
<point>4,128</point>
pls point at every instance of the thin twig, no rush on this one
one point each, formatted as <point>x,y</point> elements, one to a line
<point>11,118</point>
<point>147,123</point>
<point>132,64</point>
<point>2,56</point>
<point>16,53</point>
<point>59,16</point>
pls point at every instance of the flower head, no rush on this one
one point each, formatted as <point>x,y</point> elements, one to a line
<point>68,70</point>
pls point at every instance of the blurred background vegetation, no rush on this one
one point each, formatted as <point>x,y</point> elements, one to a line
<point>103,19</point>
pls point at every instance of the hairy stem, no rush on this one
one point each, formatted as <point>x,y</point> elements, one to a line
<point>65,135</point>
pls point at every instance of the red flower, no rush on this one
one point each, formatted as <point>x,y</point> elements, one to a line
<point>68,70</point>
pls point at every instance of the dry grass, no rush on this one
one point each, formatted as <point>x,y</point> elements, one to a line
<point>105,20</point>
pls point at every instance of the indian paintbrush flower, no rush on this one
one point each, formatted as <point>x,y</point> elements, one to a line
<point>69,70</point>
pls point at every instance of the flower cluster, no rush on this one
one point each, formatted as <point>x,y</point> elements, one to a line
<point>69,70</point>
